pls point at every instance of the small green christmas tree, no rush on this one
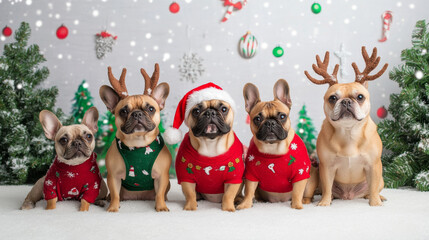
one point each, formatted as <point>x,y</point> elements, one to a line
<point>307,132</point>
<point>406,137</point>
<point>172,148</point>
<point>105,136</point>
<point>25,152</point>
<point>82,101</point>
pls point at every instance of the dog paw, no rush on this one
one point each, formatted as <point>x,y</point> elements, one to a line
<point>162,208</point>
<point>375,202</point>
<point>307,200</point>
<point>190,206</point>
<point>228,207</point>
<point>296,205</point>
<point>113,208</point>
<point>244,205</point>
<point>27,205</point>
<point>324,203</point>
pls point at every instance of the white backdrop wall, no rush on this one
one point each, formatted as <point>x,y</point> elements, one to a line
<point>148,33</point>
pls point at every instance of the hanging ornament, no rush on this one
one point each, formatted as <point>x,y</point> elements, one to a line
<point>278,51</point>
<point>104,42</point>
<point>62,32</point>
<point>174,7</point>
<point>387,21</point>
<point>248,45</point>
<point>191,67</point>
<point>316,8</point>
<point>419,74</point>
<point>231,7</point>
<point>382,112</point>
<point>342,55</point>
<point>7,31</point>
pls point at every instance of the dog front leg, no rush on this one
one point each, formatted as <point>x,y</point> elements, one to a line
<point>327,176</point>
<point>298,193</point>
<point>161,185</point>
<point>312,184</point>
<point>374,177</point>
<point>190,195</point>
<point>249,194</point>
<point>35,194</point>
<point>51,204</point>
<point>231,191</point>
<point>84,205</point>
<point>114,184</point>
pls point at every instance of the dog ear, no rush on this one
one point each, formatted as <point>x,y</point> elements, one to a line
<point>160,94</point>
<point>109,97</point>
<point>90,119</point>
<point>282,93</point>
<point>50,123</point>
<point>251,96</point>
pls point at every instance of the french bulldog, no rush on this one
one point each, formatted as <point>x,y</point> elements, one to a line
<point>209,163</point>
<point>277,164</point>
<point>138,161</point>
<point>74,174</point>
<point>348,146</point>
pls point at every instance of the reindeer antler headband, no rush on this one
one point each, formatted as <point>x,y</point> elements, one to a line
<point>121,89</point>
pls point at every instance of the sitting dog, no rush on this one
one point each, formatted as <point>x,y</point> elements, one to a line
<point>348,146</point>
<point>138,161</point>
<point>74,174</point>
<point>277,164</point>
<point>209,163</point>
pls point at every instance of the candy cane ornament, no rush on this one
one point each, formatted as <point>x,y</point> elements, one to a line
<point>231,6</point>
<point>387,21</point>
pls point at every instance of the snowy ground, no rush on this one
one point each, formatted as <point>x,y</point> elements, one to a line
<point>404,216</point>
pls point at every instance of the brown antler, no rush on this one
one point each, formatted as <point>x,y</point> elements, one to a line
<point>371,63</point>
<point>322,70</point>
<point>150,82</point>
<point>118,86</point>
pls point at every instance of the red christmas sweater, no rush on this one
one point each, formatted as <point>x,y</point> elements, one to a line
<point>73,182</point>
<point>209,173</point>
<point>277,173</point>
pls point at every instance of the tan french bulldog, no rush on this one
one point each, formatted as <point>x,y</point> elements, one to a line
<point>348,146</point>
<point>277,164</point>
<point>209,163</point>
<point>138,161</point>
<point>74,173</point>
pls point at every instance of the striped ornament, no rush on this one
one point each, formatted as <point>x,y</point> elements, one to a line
<point>248,45</point>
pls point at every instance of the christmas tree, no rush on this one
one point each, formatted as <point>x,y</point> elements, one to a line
<point>82,101</point>
<point>105,136</point>
<point>172,148</point>
<point>25,152</point>
<point>406,137</point>
<point>307,132</point>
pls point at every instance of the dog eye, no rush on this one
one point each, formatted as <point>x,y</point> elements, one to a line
<point>151,109</point>
<point>282,116</point>
<point>333,99</point>
<point>257,119</point>
<point>63,140</point>
<point>196,112</point>
<point>123,112</point>
<point>360,97</point>
<point>224,109</point>
<point>89,136</point>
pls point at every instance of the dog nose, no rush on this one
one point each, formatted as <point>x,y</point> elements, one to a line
<point>270,123</point>
<point>77,143</point>
<point>137,114</point>
<point>210,113</point>
<point>346,102</point>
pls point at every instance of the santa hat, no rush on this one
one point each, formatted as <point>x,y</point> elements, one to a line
<point>208,91</point>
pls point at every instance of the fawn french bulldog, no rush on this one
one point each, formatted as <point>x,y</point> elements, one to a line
<point>348,146</point>
<point>138,161</point>
<point>209,163</point>
<point>277,164</point>
<point>74,174</point>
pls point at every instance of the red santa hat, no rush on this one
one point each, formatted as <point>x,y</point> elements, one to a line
<point>208,91</point>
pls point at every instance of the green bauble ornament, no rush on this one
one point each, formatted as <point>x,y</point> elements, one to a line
<point>316,8</point>
<point>278,51</point>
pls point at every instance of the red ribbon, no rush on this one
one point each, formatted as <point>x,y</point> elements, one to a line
<point>237,5</point>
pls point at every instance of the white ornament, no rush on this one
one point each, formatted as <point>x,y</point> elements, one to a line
<point>293,146</point>
<point>271,167</point>
<point>342,55</point>
<point>208,169</point>
<point>148,150</point>
<point>301,171</point>
<point>251,157</point>
<point>191,67</point>
<point>19,86</point>
<point>419,74</point>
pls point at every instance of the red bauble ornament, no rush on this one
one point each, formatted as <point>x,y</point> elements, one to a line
<point>174,7</point>
<point>62,32</point>
<point>7,31</point>
<point>382,112</point>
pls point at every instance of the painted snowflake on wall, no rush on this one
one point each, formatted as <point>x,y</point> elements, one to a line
<point>191,67</point>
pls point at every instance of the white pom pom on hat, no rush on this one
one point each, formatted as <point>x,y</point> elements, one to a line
<point>208,91</point>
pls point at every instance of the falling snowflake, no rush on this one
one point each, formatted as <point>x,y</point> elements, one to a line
<point>70,175</point>
<point>48,183</point>
<point>191,67</point>
<point>251,157</point>
<point>293,146</point>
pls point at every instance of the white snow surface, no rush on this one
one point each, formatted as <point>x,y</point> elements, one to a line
<point>404,216</point>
